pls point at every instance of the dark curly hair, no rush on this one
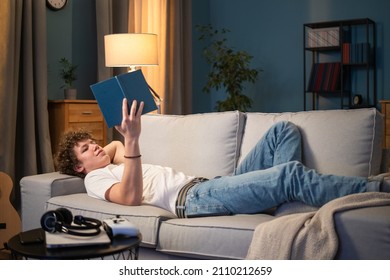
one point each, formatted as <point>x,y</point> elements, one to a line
<point>65,158</point>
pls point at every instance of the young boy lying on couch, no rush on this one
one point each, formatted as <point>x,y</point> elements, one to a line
<point>271,174</point>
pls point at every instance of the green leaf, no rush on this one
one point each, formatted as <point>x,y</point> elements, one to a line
<point>229,69</point>
<point>67,72</point>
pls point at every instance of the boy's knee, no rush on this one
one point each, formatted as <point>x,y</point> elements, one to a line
<point>285,126</point>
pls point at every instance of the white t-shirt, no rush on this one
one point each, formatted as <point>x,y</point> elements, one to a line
<point>161,184</point>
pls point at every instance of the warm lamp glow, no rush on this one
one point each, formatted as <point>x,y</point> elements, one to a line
<point>130,49</point>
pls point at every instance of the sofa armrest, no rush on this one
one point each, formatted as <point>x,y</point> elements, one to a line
<point>364,233</point>
<point>37,189</point>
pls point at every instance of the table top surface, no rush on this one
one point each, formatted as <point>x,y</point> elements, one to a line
<point>38,250</point>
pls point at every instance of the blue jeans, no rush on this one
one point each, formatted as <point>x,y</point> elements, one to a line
<point>271,174</point>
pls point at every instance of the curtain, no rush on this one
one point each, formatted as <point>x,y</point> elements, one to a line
<point>171,21</point>
<point>111,17</point>
<point>25,147</point>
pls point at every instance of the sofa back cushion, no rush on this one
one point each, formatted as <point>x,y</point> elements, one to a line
<point>198,144</point>
<point>343,142</point>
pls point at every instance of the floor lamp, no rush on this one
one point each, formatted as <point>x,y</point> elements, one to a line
<point>132,50</point>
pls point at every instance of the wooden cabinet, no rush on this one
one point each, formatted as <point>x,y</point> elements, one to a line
<point>65,115</point>
<point>385,110</point>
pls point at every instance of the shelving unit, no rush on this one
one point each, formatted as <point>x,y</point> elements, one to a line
<point>339,62</point>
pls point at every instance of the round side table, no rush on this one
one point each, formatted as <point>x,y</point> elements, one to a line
<point>119,248</point>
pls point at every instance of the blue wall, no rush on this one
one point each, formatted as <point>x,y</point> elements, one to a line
<point>71,33</point>
<point>272,31</point>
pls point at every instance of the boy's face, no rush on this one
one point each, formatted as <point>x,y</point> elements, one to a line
<point>90,156</point>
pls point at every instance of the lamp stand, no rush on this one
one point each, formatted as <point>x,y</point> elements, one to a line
<point>156,97</point>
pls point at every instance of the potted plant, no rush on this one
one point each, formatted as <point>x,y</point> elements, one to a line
<point>68,75</point>
<point>229,69</point>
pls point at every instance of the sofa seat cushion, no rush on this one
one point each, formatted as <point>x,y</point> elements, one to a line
<point>146,218</point>
<point>341,142</point>
<point>221,237</point>
<point>293,207</point>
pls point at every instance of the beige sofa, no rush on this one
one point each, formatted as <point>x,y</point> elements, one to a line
<point>345,142</point>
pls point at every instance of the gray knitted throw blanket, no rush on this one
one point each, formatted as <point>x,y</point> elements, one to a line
<point>309,235</point>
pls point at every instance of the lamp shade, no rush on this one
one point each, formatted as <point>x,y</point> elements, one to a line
<point>130,49</point>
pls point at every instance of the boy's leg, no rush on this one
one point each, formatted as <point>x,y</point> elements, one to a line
<point>256,191</point>
<point>280,144</point>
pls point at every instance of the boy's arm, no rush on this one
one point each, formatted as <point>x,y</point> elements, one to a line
<point>130,190</point>
<point>116,151</point>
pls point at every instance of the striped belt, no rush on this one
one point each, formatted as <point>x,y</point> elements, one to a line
<point>181,198</point>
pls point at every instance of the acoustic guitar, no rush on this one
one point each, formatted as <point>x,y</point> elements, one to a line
<point>10,223</point>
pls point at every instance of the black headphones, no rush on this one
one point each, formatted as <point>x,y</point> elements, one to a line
<point>60,220</point>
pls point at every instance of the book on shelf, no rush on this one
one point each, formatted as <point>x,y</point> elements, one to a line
<point>356,53</point>
<point>325,77</point>
<point>110,93</point>
<point>323,37</point>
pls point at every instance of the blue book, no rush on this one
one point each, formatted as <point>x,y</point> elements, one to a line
<point>110,93</point>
